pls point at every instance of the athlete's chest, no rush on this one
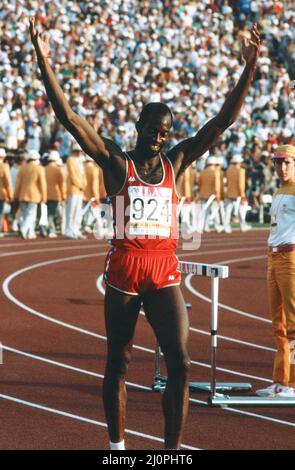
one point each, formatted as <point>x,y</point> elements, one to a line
<point>150,176</point>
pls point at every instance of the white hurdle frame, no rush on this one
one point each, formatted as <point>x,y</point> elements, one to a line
<point>215,272</point>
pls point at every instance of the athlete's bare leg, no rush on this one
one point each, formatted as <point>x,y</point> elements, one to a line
<point>166,312</point>
<point>121,313</point>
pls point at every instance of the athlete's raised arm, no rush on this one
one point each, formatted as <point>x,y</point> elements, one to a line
<point>95,146</point>
<point>193,148</point>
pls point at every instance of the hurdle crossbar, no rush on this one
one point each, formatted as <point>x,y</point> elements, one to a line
<point>215,272</point>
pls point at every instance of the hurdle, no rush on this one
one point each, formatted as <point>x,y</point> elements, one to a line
<point>215,272</point>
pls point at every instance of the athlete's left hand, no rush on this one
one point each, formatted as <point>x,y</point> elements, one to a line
<point>251,47</point>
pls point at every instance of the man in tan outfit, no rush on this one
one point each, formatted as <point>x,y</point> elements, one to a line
<point>76,183</point>
<point>236,184</point>
<point>187,207</point>
<point>217,214</point>
<point>5,186</point>
<point>30,190</point>
<point>91,193</point>
<point>209,190</point>
<point>56,189</point>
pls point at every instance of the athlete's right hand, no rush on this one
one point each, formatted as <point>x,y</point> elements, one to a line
<point>41,45</point>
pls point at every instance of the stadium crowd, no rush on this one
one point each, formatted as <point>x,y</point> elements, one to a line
<point>111,58</point>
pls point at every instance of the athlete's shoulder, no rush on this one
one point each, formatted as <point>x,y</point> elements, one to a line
<point>113,148</point>
<point>166,160</point>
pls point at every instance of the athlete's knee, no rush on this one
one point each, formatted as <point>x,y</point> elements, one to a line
<point>185,365</point>
<point>179,367</point>
<point>117,363</point>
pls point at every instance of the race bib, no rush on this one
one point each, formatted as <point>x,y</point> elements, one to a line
<point>150,211</point>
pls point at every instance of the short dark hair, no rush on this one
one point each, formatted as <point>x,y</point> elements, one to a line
<point>151,109</point>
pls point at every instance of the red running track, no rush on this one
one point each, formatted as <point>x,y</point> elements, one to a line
<point>54,348</point>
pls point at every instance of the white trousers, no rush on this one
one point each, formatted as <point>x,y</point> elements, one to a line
<point>211,212</point>
<point>189,216</point>
<point>242,211</point>
<point>27,220</point>
<point>73,215</point>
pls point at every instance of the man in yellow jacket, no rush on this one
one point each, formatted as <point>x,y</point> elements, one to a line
<point>56,189</point>
<point>76,183</point>
<point>187,206</point>
<point>236,184</point>
<point>30,190</point>
<point>209,190</point>
<point>281,275</point>
<point>91,193</point>
<point>5,186</point>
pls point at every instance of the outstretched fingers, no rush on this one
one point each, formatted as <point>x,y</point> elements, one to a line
<point>32,27</point>
<point>32,24</point>
<point>255,36</point>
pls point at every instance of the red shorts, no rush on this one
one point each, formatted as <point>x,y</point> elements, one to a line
<point>135,272</point>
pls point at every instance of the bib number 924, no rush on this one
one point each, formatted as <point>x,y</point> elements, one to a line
<point>153,210</point>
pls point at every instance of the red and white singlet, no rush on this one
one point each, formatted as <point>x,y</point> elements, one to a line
<point>145,233</point>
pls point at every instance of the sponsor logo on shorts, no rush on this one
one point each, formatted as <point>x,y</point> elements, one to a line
<point>171,278</point>
<point>131,179</point>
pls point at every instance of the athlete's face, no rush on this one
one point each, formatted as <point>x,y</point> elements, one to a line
<point>285,168</point>
<point>153,134</point>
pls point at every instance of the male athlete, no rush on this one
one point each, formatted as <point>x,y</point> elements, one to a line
<point>142,267</point>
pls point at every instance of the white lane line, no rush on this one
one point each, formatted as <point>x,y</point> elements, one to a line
<point>136,385</point>
<point>81,246</point>
<point>65,366</point>
<point>226,307</point>
<point>44,241</point>
<point>12,298</point>
<point>65,241</point>
<point>85,420</point>
<point>221,238</point>
<point>233,340</point>
<point>234,241</point>
<point>7,280</point>
<point>237,260</point>
<point>216,252</point>
<point>99,285</point>
<point>232,372</point>
<point>48,250</point>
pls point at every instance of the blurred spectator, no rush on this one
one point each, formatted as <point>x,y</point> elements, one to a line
<point>91,193</point>
<point>5,186</point>
<point>56,190</point>
<point>30,190</point>
<point>11,131</point>
<point>34,136</point>
<point>236,182</point>
<point>76,183</point>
